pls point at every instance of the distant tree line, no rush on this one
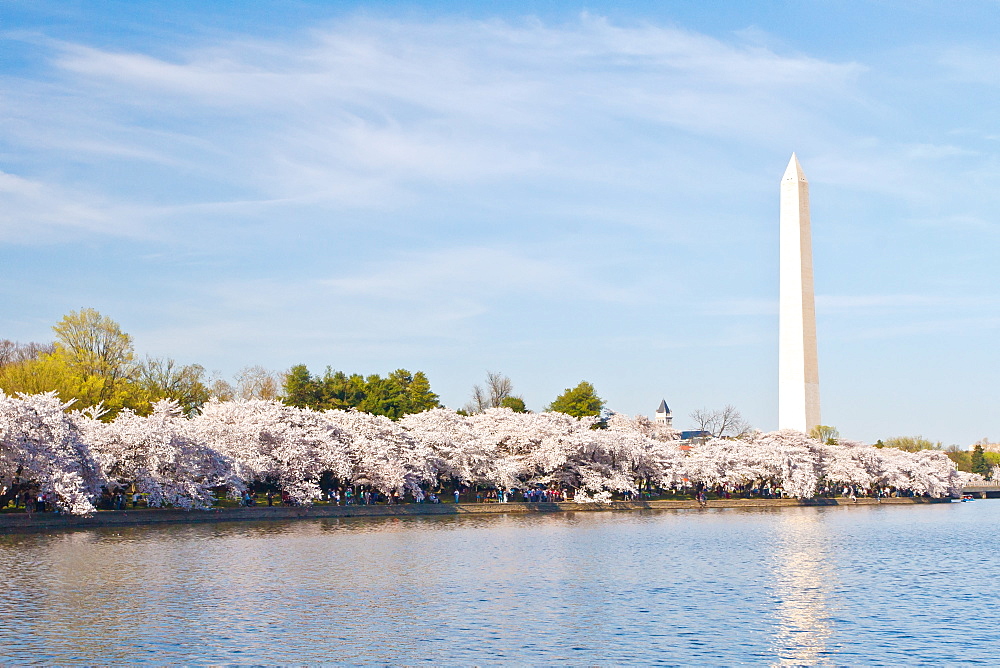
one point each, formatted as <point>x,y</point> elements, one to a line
<point>977,460</point>
<point>92,362</point>
<point>398,394</point>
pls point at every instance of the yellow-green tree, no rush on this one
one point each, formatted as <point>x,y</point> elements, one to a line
<point>579,401</point>
<point>91,362</point>
<point>911,443</point>
<point>98,353</point>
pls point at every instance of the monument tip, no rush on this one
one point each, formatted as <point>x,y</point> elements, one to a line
<point>794,170</point>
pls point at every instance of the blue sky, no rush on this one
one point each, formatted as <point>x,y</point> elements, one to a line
<point>552,190</point>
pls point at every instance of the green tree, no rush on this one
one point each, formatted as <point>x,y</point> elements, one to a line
<point>394,396</point>
<point>825,434</point>
<point>384,396</point>
<point>164,379</point>
<point>398,394</point>
<point>961,458</point>
<point>351,392</point>
<point>300,388</point>
<point>579,401</point>
<point>979,464</point>
<point>911,443</point>
<point>516,404</point>
<point>419,396</point>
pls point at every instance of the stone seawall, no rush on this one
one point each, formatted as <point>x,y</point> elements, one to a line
<point>24,522</point>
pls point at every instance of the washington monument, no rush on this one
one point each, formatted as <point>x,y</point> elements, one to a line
<point>798,370</point>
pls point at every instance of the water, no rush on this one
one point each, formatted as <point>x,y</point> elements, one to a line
<point>866,585</point>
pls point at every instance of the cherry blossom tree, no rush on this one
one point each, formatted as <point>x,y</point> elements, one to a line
<point>381,453</point>
<point>269,441</point>
<point>503,448</point>
<point>177,460</point>
<point>162,456</point>
<point>456,450</point>
<point>41,447</point>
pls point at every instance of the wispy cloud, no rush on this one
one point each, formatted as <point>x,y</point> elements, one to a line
<point>381,114</point>
<point>36,212</point>
<point>370,113</point>
<point>473,273</point>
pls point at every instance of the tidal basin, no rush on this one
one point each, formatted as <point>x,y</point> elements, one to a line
<point>856,585</point>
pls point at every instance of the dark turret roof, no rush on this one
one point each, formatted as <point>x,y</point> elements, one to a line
<point>663,407</point>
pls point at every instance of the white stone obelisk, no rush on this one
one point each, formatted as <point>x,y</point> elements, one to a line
<point>798,368</point>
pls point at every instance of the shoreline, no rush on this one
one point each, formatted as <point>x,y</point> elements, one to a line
<point>41,522</point>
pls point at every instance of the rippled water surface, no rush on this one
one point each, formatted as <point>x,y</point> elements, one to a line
<point>865,585</point>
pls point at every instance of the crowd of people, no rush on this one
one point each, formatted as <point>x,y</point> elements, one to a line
<point>34,501</point>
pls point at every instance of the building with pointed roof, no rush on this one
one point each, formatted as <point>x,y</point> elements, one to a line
<point>663,414</point>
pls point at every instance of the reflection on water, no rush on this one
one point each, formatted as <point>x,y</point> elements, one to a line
<point>804,580</point>
<point>798,586</point>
